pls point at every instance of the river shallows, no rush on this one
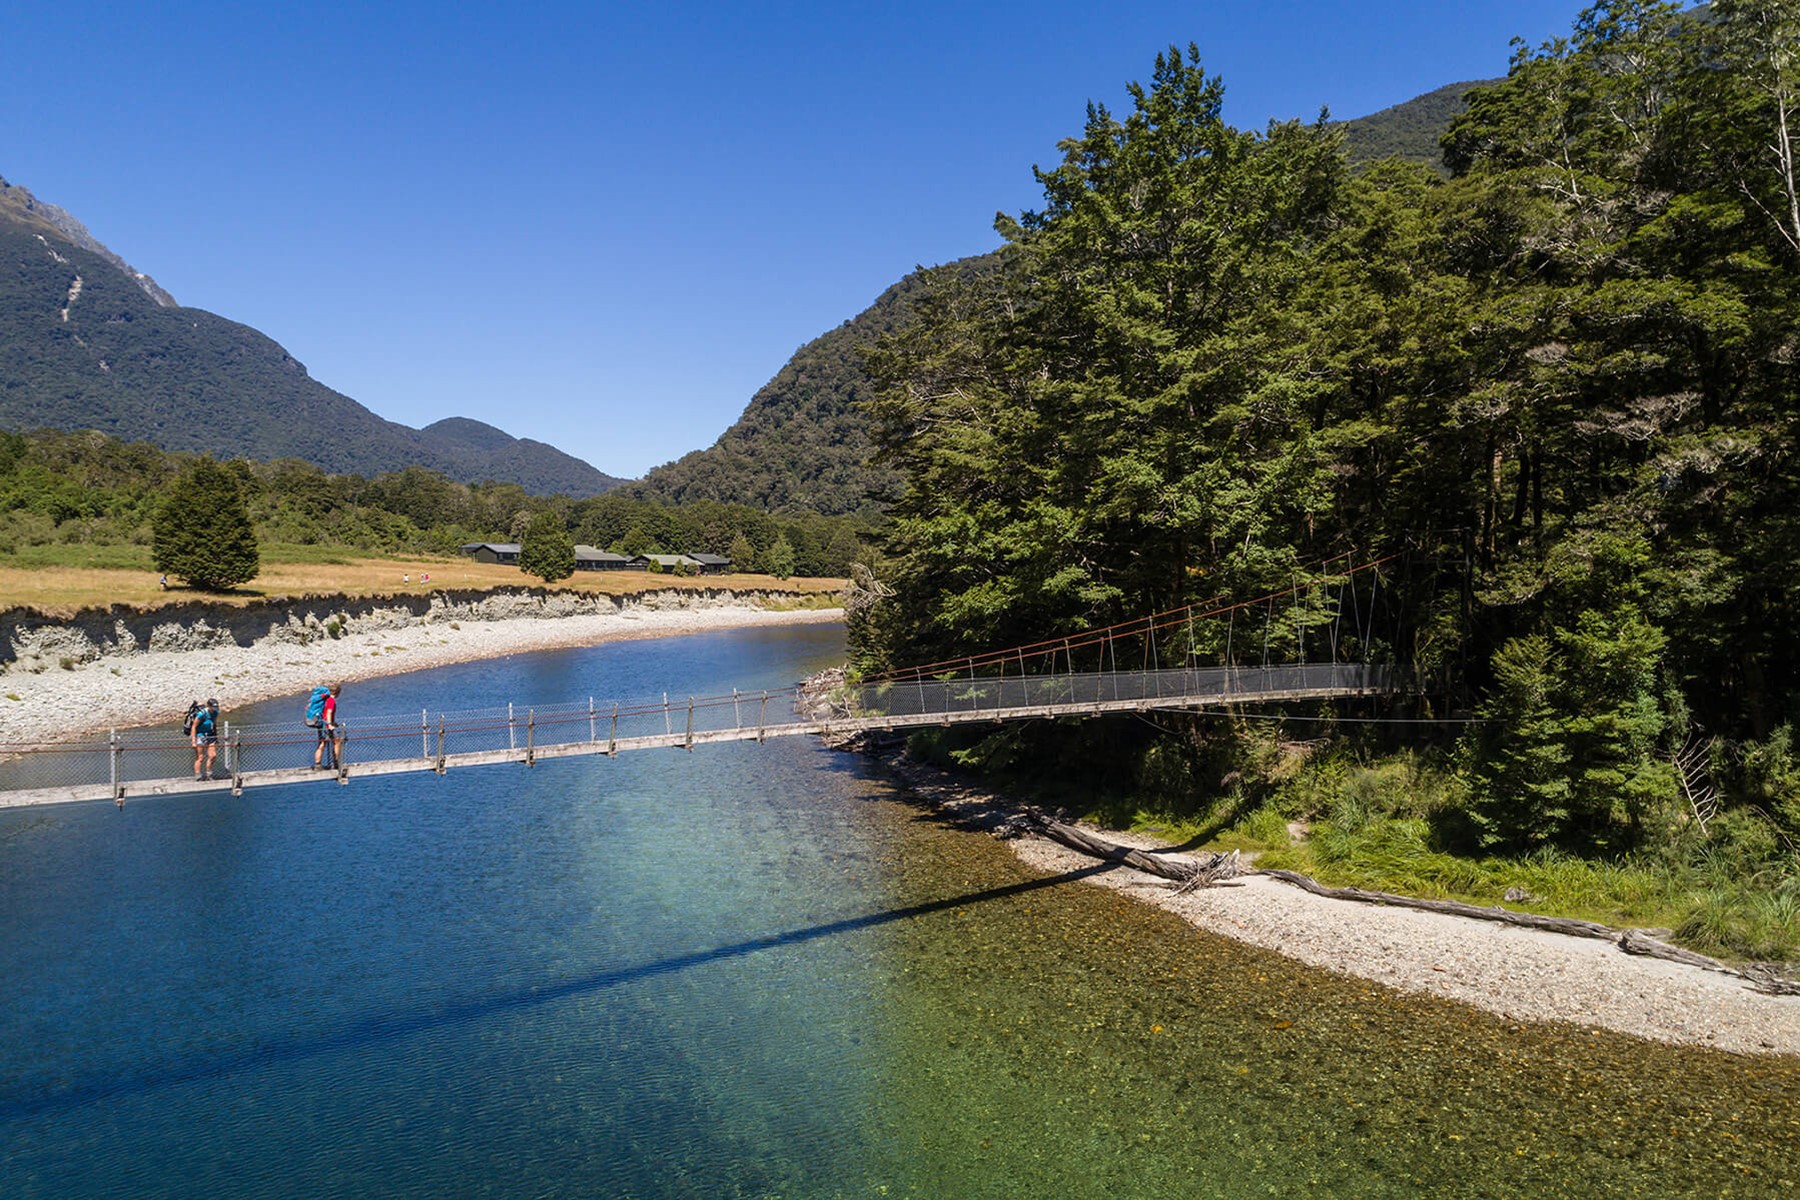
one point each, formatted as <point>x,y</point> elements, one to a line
<point>746,971</point>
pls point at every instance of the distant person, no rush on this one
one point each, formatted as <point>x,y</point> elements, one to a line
<point>425,577</point>
<point>206,738</point>
<point>162,581</point>
<point>406,578</point>
<point>330,732</point>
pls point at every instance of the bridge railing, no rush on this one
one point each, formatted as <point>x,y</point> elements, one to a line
<point>975,694</point>
<point>126,756</point>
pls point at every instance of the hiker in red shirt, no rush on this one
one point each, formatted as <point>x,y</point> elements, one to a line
<point>329,732</point>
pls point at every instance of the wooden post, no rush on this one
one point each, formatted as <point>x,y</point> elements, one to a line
<point>424,734</point>
<point>690,727</point>
<point>531,737</point>
<point>236,764</point>
<point>112,754</point>
<point>441,765</point>
<point>612,744</point>
<point>762,717</point>
<point>511,738</point>
<point>591,737</point>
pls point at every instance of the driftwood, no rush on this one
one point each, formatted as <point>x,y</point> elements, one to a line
<point>1216,869</point>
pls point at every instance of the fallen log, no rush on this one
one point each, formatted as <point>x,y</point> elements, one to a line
<point>1213,869</point>
<point>1564,925</point>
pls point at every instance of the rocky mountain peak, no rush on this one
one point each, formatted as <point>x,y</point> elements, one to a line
<point>34,211</point>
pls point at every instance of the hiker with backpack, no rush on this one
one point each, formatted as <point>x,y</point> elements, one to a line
<point>203,731</point>
<point>321,714</point>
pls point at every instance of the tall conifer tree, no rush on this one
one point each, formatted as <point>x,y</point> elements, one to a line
<point>202,532</point>
<point>547,550</point>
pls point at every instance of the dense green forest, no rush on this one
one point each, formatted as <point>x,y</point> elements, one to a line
<point>89,498</point>
<point>1561,382</point>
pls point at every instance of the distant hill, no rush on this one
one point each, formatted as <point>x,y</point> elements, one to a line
<point>801,444</point>
<point>1410,130</point>
<point>86,342</point>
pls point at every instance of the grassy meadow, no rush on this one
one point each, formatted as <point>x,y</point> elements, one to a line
<point>59,580</point>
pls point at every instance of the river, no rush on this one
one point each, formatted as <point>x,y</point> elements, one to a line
<point>745,971</point>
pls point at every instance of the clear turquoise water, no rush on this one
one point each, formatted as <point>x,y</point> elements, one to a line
<point>746,971</point>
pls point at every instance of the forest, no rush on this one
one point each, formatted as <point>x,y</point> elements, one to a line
<point>90,499</point>
<point>1557,380</point>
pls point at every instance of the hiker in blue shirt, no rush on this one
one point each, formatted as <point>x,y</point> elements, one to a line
<point>206,738</point>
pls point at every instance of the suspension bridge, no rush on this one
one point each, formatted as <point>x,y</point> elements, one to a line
<point>1301,644</point>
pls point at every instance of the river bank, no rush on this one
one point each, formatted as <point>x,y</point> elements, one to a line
<point>1518,974</point>
<point>63,680</point>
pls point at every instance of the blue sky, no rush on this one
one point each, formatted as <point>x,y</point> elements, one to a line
<point>606,225</point>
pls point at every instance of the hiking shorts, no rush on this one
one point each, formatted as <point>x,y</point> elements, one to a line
<point>206,739</point>
<point>328,733</point>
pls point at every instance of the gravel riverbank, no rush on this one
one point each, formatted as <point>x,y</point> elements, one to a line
<point>44,701</point>
<point>1520,974</point>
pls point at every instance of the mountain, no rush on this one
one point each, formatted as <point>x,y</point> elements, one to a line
<point>86,342</point>
<point>802,443</point>
<point>28,210</point>
<point>1410,130</point>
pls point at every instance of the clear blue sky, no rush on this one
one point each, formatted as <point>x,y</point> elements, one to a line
<point>605,226</point>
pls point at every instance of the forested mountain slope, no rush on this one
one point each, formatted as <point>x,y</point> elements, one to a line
<point>86,343</point>
<point>803,440</point>
<point>802,443</point>
<point>1411,130</point>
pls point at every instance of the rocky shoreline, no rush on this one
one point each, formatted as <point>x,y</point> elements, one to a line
<point>63,679</point>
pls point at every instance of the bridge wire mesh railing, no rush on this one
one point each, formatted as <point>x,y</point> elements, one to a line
<point>156,753</point>
<point>135,755</point>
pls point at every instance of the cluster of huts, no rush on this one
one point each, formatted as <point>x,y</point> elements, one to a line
<point>589,559</point>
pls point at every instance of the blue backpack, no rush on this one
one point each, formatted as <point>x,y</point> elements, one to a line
<point>315,706</point>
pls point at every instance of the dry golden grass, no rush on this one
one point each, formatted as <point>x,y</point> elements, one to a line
<point>60,592</point>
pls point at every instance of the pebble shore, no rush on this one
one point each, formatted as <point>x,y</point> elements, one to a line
<point>1520,974</point>
<point>155,686</point>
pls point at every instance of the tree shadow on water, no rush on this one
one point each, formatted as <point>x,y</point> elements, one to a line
<point>390,1027</point>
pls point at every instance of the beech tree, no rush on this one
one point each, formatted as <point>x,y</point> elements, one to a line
<point>202,531</point>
